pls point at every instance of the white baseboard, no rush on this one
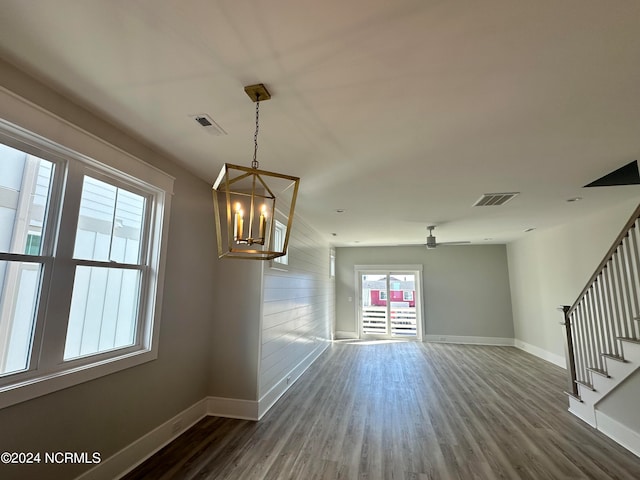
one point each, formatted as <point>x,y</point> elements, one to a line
<point>618,432</point>
<point>122,462</point>
<point>255,410</point>
<point>342,335</point>
<point>273,395</point>
<point>137,452</point>
<point>232,408</point>
<point>558,360</point>
<point>499,341</point>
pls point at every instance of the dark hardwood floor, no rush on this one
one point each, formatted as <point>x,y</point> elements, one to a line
<point>405,411</point>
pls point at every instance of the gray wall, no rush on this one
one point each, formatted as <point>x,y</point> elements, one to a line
<point>549,268</point>
<point>235,336</point>
<point>108,413</point>
<point>465,287</point>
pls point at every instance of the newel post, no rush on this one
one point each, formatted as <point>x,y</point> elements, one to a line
<point>571,359</point>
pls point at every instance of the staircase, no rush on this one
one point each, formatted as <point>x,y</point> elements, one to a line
<point>603,326</point>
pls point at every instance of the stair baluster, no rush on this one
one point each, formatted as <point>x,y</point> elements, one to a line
<point>607,311</point>
<point>581,338</point>
<point>610,317</point>
<point>615,296</point>
<point>587,335</point>
<point>621,293</point>
<point>602,331</point>
<point>573,385</point>
<point>627,290</point>
<point>633,279</point>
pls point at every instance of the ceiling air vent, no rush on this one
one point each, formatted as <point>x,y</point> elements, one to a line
<point>494,199</point>
<point>206,122</point>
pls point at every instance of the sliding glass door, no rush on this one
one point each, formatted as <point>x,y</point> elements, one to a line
<point>389,304</point>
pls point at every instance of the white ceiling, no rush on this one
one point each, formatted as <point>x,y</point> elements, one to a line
<point>403,113</point>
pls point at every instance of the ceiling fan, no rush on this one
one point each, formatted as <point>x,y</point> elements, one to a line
<point>431,239</point>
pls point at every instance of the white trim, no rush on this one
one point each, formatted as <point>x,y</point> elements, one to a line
<point>232,408</point>
<point>269,399</point>
<point>583,411</point>
<point>42,385</point>
<point>498,341</point>
<point>342,335</point>
<point>618,432</point>
<point>121,463</point>
<point>558,360</point>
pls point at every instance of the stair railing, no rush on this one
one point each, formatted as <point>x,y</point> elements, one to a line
<point>605,310</point>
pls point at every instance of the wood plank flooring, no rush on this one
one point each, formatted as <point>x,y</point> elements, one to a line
<point>405,411</point>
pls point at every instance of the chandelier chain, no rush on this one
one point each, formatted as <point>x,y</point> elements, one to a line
<point>254,163</point>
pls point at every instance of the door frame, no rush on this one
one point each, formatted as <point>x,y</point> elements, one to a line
<point>387,270</point>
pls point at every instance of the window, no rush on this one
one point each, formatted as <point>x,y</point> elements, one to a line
<point>332,263</point>
<point>387,305</point>
<point>33,244</point>
<point>25,189</point>
<point>80,269</point>
<point>278,238</point>
<point>108,251</point>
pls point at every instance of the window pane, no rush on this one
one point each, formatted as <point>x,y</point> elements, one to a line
<point>19,290</point>
<point>25,185</point>
<point>110,223</point>
<point>104,310</point>
<point>278,239</point>
<point>374,304</point>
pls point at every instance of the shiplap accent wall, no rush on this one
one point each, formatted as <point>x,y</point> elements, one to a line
<point>298,309</point>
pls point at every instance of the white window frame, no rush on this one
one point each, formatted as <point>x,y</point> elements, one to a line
<point>145,267</point>
<point>332,263</point>
<point>416,269</point>
<point>280,230</point>
<point>43,134</point>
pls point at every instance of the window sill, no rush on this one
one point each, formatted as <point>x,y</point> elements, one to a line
<point>281,267</point>
<point>43,385</point>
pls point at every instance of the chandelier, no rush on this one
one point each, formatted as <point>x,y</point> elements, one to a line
<point>249,222</point>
